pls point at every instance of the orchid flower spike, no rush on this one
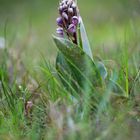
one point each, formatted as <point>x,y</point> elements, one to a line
<point>68,19</point>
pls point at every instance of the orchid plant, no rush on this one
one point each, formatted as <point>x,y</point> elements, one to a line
<point>75,64</point>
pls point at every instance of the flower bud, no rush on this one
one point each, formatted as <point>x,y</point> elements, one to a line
<point>69,3</point>
<point>75,20</point>
<point>65,6</point>
<point>59,21</point>
<point>72,28</point>
<point>60,32</point>
<point>70,11</point>
<point>60,9</point>
<point>63,1</point>
<point>73,5</point>
<point>60,4</point>
<point>65,16</point>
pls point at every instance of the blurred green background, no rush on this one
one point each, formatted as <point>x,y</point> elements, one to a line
<point>29,24</point>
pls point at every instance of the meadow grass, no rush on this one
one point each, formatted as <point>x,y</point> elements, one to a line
<point>27,73</point>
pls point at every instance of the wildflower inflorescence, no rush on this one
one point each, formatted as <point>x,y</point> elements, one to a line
<point>68,20</point>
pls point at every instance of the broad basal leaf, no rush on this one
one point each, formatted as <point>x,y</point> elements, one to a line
<point>82,68</point>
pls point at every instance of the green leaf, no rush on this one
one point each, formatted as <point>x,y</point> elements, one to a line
<point>84,39</point>
<point>63,69</point>
<point>66,75</point>
<point>116,88</point>
<point>102,70</point>
<point>83,69</point>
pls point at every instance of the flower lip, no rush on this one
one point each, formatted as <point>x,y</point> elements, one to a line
<point>72,28</point>
<point>60,31</point>
<point>75,20</point>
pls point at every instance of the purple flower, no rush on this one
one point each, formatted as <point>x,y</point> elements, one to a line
<point>65,6</point>
<point>73,5</point>
<point>75,20</point>
<point>65,16</point>
<point>59,21</point>
<point>70,11</point>
<point>72,28</point>
<point>60,9</point>
<point>68,20</point>
<point>60,31</point>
